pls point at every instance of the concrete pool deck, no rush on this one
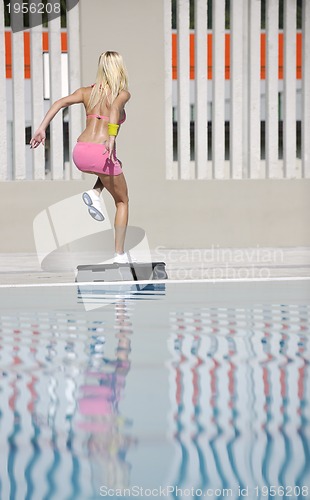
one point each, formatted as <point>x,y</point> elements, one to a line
<point>181,264</point>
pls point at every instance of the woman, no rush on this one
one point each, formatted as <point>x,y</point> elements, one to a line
<point>95,150</point>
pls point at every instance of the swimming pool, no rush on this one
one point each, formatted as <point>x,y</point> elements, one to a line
<point>171,390</point>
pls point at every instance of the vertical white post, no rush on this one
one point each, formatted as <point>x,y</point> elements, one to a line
<point>201,88</point>
<point>56,127</point>
<point>36,64</point>
<point>272,119</point>
<point>74,56</point>
<point>236,97</point>
<point>18,64</point>
<point>289,119</point>
<point>306,89</point>
<point>168,89</point>
<point>183,89</point>
<point>254,88</point>
<point>4,174</point>
<point>218,88</point>
<point>245,90</point>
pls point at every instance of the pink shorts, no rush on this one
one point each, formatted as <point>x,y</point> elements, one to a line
<point>93,157</point>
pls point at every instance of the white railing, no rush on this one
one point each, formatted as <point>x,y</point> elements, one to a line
<point>3,120</point>
<point>28,104</point>
<point>306,89</point>
<point>249,101</point>
<point>36,62</point>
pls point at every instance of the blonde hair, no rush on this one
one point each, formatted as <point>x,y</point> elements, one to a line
<point>111,79</point>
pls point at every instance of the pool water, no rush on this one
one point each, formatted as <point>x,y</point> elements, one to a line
<point>174,390</point>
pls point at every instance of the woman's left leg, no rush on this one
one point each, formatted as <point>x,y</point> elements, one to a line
<point>117,187</point>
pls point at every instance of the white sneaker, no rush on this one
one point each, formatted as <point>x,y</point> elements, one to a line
<point>123,258</point>
<point>92,200</point>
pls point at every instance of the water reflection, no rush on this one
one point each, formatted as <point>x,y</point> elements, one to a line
<point>94,296</point>
<point>108,432</point>
<point>240,394</point>
<point>85,398</point>
<point>62,378</point>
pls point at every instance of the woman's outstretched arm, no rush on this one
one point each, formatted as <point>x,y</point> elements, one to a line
<point>64,102</point>
<point>115,111</point>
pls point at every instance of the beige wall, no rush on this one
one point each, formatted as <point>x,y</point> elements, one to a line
<point>191,215</point>
<point>174,214</point>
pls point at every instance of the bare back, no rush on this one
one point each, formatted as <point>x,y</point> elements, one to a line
<point>96,128</point>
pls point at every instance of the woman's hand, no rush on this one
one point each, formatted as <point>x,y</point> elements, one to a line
<point>111,146</point>
<point>38,138</point>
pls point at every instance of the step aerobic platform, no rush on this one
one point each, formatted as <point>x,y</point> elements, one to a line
<point>122,272</point>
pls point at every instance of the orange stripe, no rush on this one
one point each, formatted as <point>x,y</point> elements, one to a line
<point>192,56</point>
<point>8,54</point>
<point>64,42</point>
<point>209,61</point>
<point>262,56</point>
<point>174,57</point>
<point>280,69</point>
<point>227,56</point>
<point>64,48</point>
<point>45,41</point>
<point>299,56</point>
<point>27,69</point>
<point>27,53</point>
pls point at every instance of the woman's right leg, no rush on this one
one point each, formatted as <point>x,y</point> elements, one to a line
<point>98,186</point>
<point>92,199</point>
<point>117,186</point>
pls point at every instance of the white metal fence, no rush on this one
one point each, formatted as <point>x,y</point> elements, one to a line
<point>196,146</point>
<point>205,157</point>
<point>17,162</point>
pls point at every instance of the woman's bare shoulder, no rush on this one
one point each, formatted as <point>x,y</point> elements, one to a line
<point>86,91</point>
<point>124,96</point>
